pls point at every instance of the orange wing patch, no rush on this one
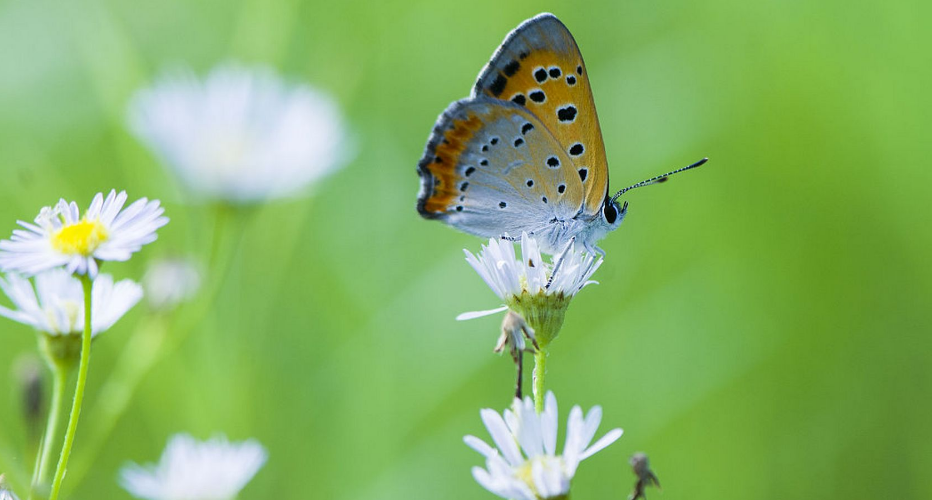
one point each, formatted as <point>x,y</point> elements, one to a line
<point>539,66</point>
<point>438,167</point>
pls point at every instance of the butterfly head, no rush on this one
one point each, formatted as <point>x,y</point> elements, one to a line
<point>609,218</point>
<point>612,215</point>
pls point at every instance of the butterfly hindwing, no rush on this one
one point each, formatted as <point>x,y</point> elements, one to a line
<point>492,168</point>
<point>539,66</point>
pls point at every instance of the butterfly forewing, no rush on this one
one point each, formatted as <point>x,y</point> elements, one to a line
<point>539,66</point>
<point>492,168</point>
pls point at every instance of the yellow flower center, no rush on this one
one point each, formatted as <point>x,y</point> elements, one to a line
<point>548,462</point>
<point>82,237</point>
<point>524,474</point>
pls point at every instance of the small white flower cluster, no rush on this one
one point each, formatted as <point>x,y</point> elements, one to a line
<point>61,244</point>
<point>191,470</point>
<point>524,463</point>
<point>241,135</point>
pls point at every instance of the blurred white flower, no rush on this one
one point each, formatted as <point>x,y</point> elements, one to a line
<point>56,305</point>
<point>193,470</point>
<point>169,282</point>
<point>61,237</point>
<point>525,466</point>
<point>242,134</point>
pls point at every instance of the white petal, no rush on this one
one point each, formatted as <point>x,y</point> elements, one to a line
<point>548,424</point>
<point>479,314</point>
<point>604,441</point>
<point>479,445</point>
<point>500,435</point>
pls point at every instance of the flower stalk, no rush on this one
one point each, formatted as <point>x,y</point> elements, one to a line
<point>540,371</point>
<point>87,285</point>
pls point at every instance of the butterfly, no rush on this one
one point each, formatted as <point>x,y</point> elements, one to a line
<point>524,153</point>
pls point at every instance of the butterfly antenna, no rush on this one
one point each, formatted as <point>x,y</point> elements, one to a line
<point>658,179</point>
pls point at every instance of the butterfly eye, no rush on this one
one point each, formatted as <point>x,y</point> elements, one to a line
<point>609,212</point>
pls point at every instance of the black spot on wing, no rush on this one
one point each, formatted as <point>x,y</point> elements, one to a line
<point>530,182</point>
<point>553,162</point>
<point>567,114</point>
<point>537,96</point>
<point>555,72</point>
<point>583,173</point>
<point>577,149</point>
<point>570,80</point>
<point>519,141</point>
<point>511,68</point>
<point>498,86</point>
<point>540,74</point>
<point>484,162</point>
<point>519,99</point>
<point>561,188</point>
<point>469,171</point>
<point>527,127</point>
<point>502,204</point>
<point>579,70</point>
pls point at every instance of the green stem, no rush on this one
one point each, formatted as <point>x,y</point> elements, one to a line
<point>87,284</point>
<point>157,338</point>
<point>540,369</point>
<point>44,460</point>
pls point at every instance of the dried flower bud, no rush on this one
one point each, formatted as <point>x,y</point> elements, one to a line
<point>640,464</point>
<point>514,332</point>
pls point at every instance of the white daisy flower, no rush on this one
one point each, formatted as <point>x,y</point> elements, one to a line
<point>242,134</point>
<point>56,304</point>
<point>169,282</point>
<point>191,470</point>
<point>524,464</point>
<point>538,290</point>
<point>508,277</point>
<point>62,237</point>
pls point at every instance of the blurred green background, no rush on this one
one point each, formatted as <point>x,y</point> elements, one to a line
<point>762,325</point>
